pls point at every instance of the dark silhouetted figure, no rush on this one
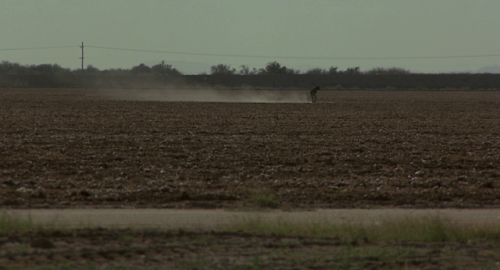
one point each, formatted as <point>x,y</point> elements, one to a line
<point>313,93</point>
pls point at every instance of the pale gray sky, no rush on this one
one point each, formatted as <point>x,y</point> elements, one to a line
<point>317,30</point>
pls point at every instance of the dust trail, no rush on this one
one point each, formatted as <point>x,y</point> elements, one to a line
<point>208,95</point>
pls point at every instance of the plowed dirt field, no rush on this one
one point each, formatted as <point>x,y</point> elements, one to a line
<point>78,148</point>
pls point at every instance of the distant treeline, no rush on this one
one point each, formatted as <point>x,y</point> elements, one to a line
<point>271,68</point>
<point>273,75</point>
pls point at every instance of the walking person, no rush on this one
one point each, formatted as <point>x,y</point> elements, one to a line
<point>313,93</point>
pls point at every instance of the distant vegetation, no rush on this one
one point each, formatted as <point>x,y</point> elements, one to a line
<point>387,71</point>
<point>275,68</point>
<point>271,68</point>
<point>15,68</point>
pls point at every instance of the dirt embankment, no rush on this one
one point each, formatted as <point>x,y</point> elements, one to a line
<point>155,249</point>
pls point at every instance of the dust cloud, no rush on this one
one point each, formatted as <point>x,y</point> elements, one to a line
<point>208,95</point>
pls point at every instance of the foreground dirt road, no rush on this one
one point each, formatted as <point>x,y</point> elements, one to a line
<point>170,239</point>
<point>213,219</point>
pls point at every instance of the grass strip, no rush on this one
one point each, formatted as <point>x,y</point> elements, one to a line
<point>426,229</point>
<point>9,224</point>
<point>422,229</point>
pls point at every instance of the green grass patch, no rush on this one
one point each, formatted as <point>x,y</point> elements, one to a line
<point>264,199</point>
<point>427,229</point>
<point>9,224</point>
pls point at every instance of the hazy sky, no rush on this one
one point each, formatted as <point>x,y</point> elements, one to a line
<point>297,33</point>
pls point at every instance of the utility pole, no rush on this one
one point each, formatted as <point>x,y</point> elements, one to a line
<point>82,57</point>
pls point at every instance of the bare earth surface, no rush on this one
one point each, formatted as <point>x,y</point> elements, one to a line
<point>78,148</point>
<point>85,149</point>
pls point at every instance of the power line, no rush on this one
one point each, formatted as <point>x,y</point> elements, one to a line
<point>37,48</point>
<point>299,57</point>
<point>262,56</point>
